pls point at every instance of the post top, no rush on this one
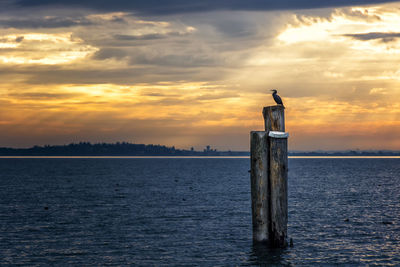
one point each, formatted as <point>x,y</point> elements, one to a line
<point>259,133</point>
<point>276,107</point>
<point>276,134</point>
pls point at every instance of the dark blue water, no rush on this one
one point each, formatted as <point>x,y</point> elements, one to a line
<point>176,212</point>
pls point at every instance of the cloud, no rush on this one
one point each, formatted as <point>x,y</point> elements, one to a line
<point>375,91</point>
<point>195,78</point>
<point>47,22</point>
<point>146,37</point>
<point>19,39</point>
<point>107,53</point>
<point>155,7</point>
<point>43,48</point>
<point>382,36</point>
<point>51,74</point>
<point>217,96</point>
<point>43,96</point>
<point>153,36</point>
<point>236,27</point>
<point>176,60</point>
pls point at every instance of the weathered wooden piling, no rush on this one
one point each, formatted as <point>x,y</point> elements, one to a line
<point>269,167</point>
<point>274,118</point>
<point>278,169</point>
<point>259,185</point>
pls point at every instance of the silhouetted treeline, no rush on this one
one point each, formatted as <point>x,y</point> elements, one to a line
<point>128,149</point>
<point>114,149</point>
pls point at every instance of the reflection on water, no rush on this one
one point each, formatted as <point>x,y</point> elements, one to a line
<point>262,255</point>
<point>185,212</point>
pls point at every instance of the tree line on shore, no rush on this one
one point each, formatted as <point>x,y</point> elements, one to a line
<point>113,149</point>
<point>129,149</point>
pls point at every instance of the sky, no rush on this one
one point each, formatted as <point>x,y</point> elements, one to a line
<point>183,74</point>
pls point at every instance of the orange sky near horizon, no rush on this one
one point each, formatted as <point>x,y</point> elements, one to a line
<point>202,79</point>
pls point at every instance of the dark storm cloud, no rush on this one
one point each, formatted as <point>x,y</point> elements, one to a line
<point>382,36</point>
<point>156,7</point>
<point>51,22</point>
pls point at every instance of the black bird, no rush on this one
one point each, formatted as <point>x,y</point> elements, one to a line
<point>276,97</point>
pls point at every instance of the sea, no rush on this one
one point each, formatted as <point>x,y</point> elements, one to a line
<point>193,212</point>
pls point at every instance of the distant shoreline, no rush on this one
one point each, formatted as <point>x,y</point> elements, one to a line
<point>192,157</point>
<point>124,149</point>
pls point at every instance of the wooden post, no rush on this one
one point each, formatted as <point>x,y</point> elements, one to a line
<point>259,185</point>
<point>274,118</point>
<point>278,169</point>
<point>269,167</point>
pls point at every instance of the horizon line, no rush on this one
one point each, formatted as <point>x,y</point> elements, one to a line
<point>357,150</point>
<point>192,157</point>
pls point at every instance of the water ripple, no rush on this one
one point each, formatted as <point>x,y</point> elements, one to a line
<point>185,212</point>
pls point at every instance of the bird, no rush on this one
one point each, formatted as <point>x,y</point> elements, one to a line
<point>276,97</point>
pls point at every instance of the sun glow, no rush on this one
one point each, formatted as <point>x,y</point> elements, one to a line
<point>177,82</point>
<point>8,45</point>
<point>335,29</point>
